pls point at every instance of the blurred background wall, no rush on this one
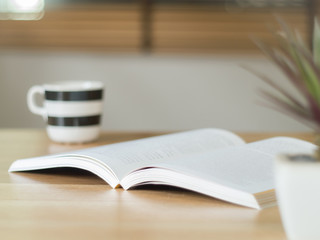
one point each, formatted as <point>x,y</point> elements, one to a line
<point>167,65</point>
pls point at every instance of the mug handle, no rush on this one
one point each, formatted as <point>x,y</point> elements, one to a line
<point>34,108</point>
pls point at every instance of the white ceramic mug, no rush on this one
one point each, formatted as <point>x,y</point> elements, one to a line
<point>72,109</point>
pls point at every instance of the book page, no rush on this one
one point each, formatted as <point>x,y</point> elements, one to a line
<point>125,157</point>
<point>247,168</point>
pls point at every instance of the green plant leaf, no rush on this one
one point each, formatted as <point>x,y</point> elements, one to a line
<point>293,76</point>
<point>286,107</point>
<point>292,46</point>
<point>316,43</point>
<point>310,73</point>
<point>276,86</point>
<point>302,69</point>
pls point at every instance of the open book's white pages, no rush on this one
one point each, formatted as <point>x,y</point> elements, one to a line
<point>125,157</point>
<point>211,161</point>
<point>112,162</point>
<point>223,173</point>
<point>247,168</point>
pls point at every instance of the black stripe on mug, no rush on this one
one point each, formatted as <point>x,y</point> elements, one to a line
<point>74,121</point>
<point>74,96</point>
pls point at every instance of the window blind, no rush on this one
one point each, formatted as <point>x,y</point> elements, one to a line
<point>102,27</point>
<point>217,29</point>
<point>172,27</point>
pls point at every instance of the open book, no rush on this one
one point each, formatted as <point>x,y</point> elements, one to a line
<point>213,162</point>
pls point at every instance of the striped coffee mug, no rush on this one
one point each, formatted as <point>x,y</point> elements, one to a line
<point>72,109</point>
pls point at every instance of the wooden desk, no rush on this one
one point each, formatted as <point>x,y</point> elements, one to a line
<point>64,204</point>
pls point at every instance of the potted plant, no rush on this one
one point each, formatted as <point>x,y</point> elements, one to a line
<point>297,177</point>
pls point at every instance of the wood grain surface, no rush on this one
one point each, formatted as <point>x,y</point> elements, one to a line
<point>75,204</point>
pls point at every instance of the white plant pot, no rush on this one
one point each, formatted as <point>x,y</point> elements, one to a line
<point>298,192</point>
